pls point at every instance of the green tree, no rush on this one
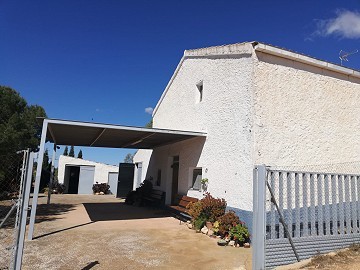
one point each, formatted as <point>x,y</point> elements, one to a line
<point>72,151</point>
<point>46,171</point>
<point>19,130</point>
<point>129,158</point>
<point>79,154</point>
<point>66,151</point>
<point>18,124</point>
<point>149,124</point>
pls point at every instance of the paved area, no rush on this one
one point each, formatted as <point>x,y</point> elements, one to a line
<point>101,232</point>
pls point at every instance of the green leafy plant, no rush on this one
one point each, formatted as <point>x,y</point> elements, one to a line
<point>227,221</point>
<point>216,227</point>
<point>204,181</point>
<point>240,233</point>
<point>200,222</point>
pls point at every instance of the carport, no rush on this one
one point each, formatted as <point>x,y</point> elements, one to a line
<point>67,132</point>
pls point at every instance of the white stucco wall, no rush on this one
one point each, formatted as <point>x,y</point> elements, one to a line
<point>101,170</point>
<point>304,115</point>
<point>257,108</point>
<point>142,156</point>
<point>225,113</point>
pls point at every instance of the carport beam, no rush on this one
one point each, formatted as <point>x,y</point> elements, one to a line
<point>37,179</point>
<point>52,173</point>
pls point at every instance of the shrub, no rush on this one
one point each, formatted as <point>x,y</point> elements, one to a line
<point>199,222</point>
<point>209,207</point>
<point>103,187</point>
<point>145,188</point>
<point>216,227</point>
<point>194,209</point>
<point>213,208</point>
<point>240,233</point>
<point>227,221</point>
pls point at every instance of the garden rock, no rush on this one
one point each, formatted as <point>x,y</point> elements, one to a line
<point>231,243</point>
<point>204,230</point>
<point>189,225</point>
<point>101,193</point>
<point>210,233</point>
<point>246,245</point>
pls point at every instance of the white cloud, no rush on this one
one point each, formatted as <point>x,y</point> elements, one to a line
<point>149,110</point>
<point>97,110</point>
<point>346,24</point>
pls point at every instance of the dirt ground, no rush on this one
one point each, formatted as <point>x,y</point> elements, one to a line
<point>345,259</point>
<point>101,232</point>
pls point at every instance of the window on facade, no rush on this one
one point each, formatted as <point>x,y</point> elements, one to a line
<point>158,179</point>
<point>197,176</point>
<point>200,87</point>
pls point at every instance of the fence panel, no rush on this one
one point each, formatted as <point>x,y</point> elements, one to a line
<point>320,213</point>
<point>13,170</point>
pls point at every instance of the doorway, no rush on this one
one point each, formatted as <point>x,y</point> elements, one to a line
<point>74,173</point>
<point>175,179</point>
<point>125,179</point>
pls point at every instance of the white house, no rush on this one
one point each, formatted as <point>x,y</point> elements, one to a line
<point>258,104</point>
<point>79,175</point>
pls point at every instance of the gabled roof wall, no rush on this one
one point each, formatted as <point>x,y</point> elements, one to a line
<point>250,48</point>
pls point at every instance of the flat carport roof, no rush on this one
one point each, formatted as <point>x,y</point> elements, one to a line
<point>66,132</point>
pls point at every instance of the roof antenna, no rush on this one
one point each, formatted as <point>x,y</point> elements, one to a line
<point>344,55</point>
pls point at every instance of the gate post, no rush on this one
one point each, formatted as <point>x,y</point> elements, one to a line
<point>259,218</point>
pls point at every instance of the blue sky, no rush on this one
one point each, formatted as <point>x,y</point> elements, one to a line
<point>107,61</point>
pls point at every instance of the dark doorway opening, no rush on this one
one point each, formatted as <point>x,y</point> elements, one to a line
<point>74,180</point>
<point>125,180</point>
<point>175,179</point>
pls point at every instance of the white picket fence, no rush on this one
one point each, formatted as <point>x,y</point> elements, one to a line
<point>320,211</point>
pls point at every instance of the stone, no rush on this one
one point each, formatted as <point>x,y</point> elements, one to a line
<point>102,193</point>
<point>331,254</point>
<point>189,225</point>
<point>188,222</point>
<point>204,230</point>
<point>246,245</point>
<point>97,193</point>
<point>231,243</point>
<point>210,233</point>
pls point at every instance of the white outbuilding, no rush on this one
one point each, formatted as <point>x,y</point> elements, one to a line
<point>79,175</point>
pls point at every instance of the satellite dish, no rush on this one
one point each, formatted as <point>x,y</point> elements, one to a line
<point>344,55</point>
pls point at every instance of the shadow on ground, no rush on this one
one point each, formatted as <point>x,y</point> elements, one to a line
<point>121,211</point>
<point>63,230</point>
<point>52,212</point>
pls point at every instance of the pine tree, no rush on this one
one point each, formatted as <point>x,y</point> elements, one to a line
<point>66,151</point>
<point>46,164</point>
<point>79,154</point>
<point>72,152</point>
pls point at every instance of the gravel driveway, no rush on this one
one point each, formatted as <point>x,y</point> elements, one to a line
<point>101,232</point>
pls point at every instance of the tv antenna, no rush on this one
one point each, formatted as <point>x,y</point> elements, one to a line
<point>344,55</point>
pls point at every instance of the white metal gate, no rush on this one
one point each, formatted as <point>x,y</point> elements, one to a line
<point>299,214</point>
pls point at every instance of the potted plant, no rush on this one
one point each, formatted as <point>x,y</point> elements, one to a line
<point>204,184</point>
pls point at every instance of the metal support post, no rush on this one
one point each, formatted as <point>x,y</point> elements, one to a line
<point>259,221</point>
<point>52,174</point>
<point>37,179</point>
